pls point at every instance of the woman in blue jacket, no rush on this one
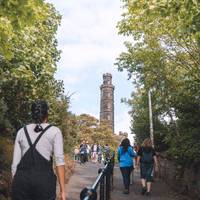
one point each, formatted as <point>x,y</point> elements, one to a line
<point>125,158</point>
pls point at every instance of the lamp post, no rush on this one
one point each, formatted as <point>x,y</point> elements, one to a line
<point>150,118</point>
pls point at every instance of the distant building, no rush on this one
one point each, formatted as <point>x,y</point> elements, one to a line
<point>107,100</point>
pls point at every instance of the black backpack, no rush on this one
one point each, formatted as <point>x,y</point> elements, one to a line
<point>147,156</point>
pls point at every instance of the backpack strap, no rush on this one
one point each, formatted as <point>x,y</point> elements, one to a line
<point>37,139</point>
<point>28,137</point>
<point>43,131</point>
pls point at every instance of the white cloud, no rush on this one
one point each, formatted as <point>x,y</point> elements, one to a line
<point>88,39</point>
<point>70,79</point>
<point>93,112</point>
<point>122,123</point>
<point>88,34</point>
<point>79,57</point>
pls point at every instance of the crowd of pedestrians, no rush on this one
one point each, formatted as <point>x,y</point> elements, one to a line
<point>94,152</point>
<point>38,141</point>
<point>141,157</point>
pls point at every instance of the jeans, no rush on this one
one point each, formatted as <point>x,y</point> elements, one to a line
<point>126,172</point>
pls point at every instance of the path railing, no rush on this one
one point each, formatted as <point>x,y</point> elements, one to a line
<point>103,184</point>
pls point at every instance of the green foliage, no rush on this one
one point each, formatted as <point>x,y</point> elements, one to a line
<point>17,16</point>
<point>66,121</point>
<point>28,56</point>
<point>5,126</point>
<point>29,74</point>
<point>6,149</point>
<point>94,132</point>
<point>164,57</point>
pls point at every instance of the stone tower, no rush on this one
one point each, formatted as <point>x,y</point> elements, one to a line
<point>107,100</point>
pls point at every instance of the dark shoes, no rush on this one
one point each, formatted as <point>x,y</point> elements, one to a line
<point>143,190</point>
<point>148,194</point>
<point>126,191</point>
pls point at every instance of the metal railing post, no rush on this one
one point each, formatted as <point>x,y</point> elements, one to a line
<point>102,185</point>
<point>108,183</point>
<point>104,180</point>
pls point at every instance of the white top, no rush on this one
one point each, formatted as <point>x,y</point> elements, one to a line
<point>95,147</point>
<point>88,148</point>
<point>50,143</point>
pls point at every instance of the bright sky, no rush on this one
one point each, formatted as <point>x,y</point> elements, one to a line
<point>90,45</point>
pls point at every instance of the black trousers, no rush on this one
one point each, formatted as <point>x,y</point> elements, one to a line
<point>29,185</point>
<point>126,172</point>
<point>83,158</point>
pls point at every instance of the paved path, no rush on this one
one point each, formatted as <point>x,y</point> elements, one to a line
<point>160,191</point>
<point>85,175</point>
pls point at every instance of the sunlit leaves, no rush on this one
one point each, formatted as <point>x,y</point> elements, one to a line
<point>164,57</point>
<point>92,131</point>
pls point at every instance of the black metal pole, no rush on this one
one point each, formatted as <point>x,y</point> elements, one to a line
<point>108,183</point>
<point>104,180</point>
<point>102,185</point>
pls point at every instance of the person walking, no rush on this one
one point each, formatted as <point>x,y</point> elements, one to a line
<point>88,151</point>
<point>147,161</point>
<point>83,152</point>
<point>107,152</point>
<point>100,153</point>
<point>32,166</point>
<point>125,157</point>
<point>76,154</point>
<point>95,150</point>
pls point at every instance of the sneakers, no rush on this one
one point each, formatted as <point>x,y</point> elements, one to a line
<point>143,190</point>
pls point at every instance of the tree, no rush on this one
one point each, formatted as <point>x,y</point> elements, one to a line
<point>66,121</point>
<point>15,16</point>
<point>165,57</point>
<point>29,74</point>
<point>28,57</point>
<point>94,132</point>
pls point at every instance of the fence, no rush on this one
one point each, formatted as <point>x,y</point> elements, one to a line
<point>102,185</point>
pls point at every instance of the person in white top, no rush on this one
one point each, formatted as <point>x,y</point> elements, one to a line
<point>32,167</point>
<point>94,152</point>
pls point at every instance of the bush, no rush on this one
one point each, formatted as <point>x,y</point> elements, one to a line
<point>6,148</point>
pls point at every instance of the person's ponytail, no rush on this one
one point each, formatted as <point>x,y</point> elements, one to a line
<point>38,128</point>
<point>39,113</point>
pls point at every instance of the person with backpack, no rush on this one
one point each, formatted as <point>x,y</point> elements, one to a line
<point>147,161</point>
<point>125,157</point>
<point>32,166</point>
<point>83,152</point>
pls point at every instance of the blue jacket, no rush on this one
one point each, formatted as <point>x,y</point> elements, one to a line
<point>126,158</point>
